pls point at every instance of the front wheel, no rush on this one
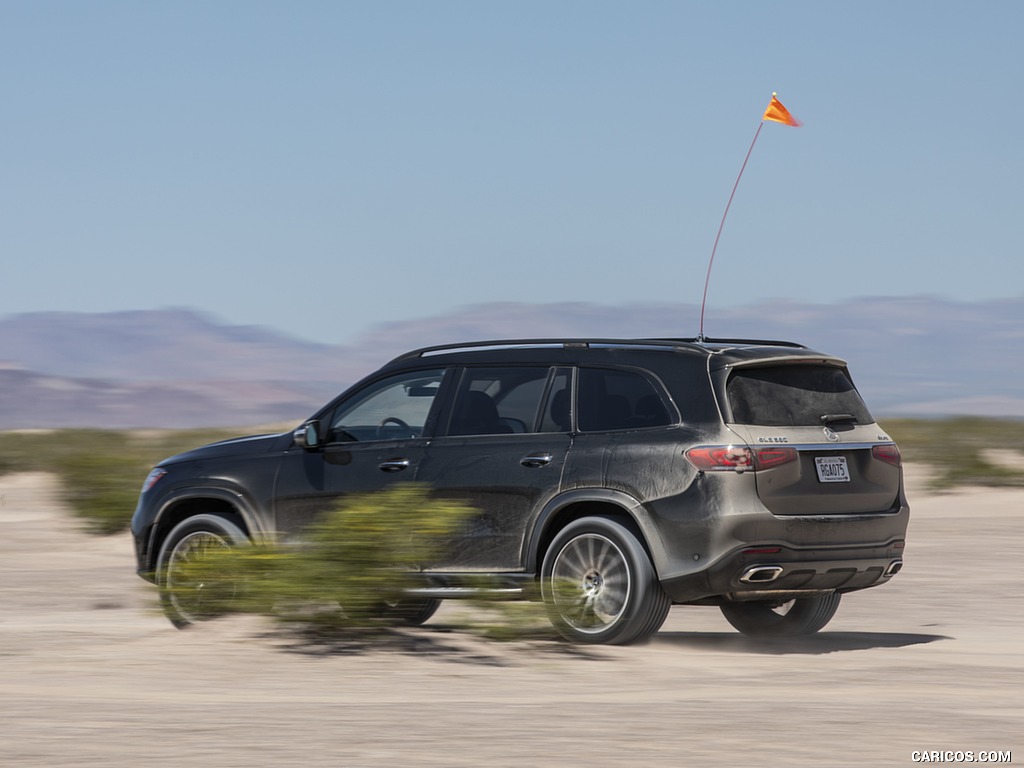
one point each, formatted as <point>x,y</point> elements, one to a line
<point>411,611</point>
<point>599,586</point>
<point>804,616</point>
<point>185,598</point>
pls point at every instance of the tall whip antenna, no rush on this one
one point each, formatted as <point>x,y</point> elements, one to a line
<point>778,114</point>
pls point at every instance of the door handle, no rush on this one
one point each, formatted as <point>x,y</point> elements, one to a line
<point>535,460</point>
<point>394,465</point>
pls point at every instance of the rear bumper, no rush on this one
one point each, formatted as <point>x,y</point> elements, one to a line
<point>755,572</point>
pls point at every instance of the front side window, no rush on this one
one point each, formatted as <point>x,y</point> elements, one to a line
<point>498,401</point>
<point>394,408</point>
<point>796,395</point>
<point>612,399</point>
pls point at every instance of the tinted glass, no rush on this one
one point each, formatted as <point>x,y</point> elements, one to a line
<point>394,408</point>
<point>610,399</point>
<point>557,414</point>
<point>495,401</point>
<point>794,396</point>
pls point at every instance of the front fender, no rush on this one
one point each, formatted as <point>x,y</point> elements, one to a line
<point>163,520</point>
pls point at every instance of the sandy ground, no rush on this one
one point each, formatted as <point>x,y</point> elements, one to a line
<point>92,675</point>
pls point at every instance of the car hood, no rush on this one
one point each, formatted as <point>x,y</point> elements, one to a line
<point>238,446</point>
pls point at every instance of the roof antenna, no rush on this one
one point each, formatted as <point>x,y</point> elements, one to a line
<point>778,114</point>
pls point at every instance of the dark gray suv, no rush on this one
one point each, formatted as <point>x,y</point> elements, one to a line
<point>642,473</point>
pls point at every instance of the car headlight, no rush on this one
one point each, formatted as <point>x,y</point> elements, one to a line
<point>152,478</point>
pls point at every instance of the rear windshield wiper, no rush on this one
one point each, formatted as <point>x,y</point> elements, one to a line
<point>829,418</point>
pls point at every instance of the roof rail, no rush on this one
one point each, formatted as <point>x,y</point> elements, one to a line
<point>664,343</point>
<point>736,342</point>
<point>484,346</point>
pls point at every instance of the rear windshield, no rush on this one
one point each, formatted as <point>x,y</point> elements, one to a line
<point>795,396</point>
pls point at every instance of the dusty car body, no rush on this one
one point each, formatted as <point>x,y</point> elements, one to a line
<point>644,472</point>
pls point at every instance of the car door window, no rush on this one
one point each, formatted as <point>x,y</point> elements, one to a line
<point>614,399</point>
<point>390,409</point>
<point>558,411</point>
<point>496,401</point>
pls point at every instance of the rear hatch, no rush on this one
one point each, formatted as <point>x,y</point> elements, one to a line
<point>818,450</point>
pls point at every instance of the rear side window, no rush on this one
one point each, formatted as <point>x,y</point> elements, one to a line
<point>612,399</point>
<point>794,396</point>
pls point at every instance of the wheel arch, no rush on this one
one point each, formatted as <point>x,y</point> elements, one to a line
<point>599,502</point>
<point>197,501</point>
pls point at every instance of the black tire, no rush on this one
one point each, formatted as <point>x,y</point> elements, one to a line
<point>412,611</point>
<point>797,617</point>
<point>599,586</point>
<point>183,602</point>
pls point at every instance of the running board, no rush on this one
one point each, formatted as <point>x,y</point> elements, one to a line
<point>445,593</point>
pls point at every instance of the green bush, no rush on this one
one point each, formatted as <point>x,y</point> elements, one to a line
<point>101,471</point>
<point>102,487</point>
<point>509,620</point>
<point>957,449</point>
<point>347,574</point>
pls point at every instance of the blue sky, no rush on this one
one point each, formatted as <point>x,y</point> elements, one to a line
<point>322,167</point>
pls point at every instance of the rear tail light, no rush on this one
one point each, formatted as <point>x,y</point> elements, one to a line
<point>888,453</point>
<point>765,458</point>
<point>719,458</point>
<point>724,458</point>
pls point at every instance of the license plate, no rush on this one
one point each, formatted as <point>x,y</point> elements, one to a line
<point>832,469</point>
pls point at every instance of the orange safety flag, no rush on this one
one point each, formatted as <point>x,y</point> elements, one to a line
<point>779,114</point>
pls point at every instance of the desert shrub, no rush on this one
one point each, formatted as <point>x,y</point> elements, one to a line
<point>960,450</point>
<point>347,573</point>
<point>101,480</point>
<point>101,471</point>
<point>508,620</point>
<point>26,451</point>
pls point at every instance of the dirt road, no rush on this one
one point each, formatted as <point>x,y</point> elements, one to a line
<point>91,675</point>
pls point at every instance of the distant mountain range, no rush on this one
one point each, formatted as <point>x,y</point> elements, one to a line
<point>915,356</point>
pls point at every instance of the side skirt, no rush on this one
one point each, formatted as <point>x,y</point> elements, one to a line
<point>492,586</point>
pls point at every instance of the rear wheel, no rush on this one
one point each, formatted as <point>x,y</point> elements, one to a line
<point>796,617</point>
<point>184,598</point>
<point>599,585</point>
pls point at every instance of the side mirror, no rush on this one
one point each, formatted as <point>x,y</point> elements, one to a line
<point>308,435</point>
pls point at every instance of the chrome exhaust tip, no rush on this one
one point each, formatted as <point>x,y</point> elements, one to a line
<point>894,567</point>
<point>761,574</point>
